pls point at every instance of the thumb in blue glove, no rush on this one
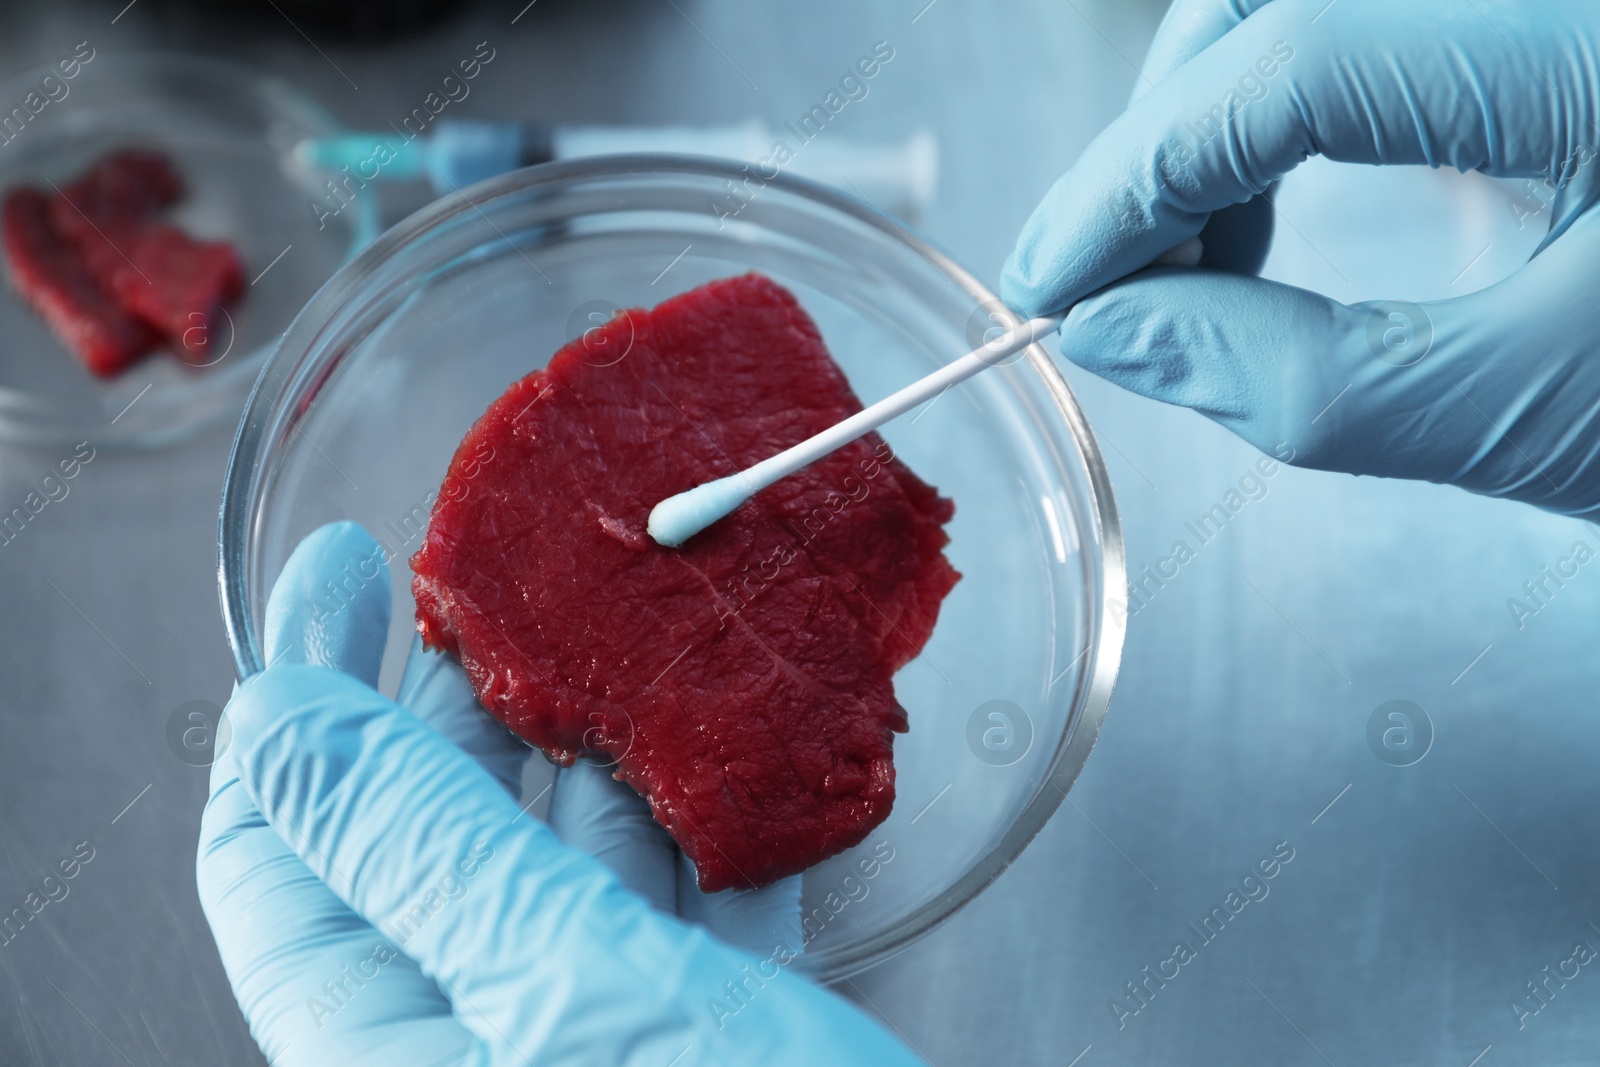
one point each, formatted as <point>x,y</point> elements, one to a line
<point>378,896</point>
<point>1496,392</point>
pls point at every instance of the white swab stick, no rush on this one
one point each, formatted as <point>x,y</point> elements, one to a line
<point>680,517</point>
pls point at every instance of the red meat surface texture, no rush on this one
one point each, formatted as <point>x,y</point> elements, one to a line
<point>743,684</point>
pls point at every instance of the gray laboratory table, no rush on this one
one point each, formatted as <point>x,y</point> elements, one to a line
<point>1420,899</point>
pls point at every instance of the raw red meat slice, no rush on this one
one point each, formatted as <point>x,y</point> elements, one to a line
<point>175,283</point>
<point>156,271</point>
<point>51,276</point>
<point>743,683</point>
<point>100,242</point>
<point>123,189</point>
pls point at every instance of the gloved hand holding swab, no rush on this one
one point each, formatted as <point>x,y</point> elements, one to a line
<point>680,517</point>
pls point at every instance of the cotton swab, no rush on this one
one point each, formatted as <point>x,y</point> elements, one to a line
<point>680,517</point>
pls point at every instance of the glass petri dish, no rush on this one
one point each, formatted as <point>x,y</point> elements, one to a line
<point>231,132</point>
<point>358,412</point>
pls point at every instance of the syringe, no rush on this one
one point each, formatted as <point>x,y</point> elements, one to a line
<point>898,179</point>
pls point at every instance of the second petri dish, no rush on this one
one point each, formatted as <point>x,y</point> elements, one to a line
<point>231,132</point>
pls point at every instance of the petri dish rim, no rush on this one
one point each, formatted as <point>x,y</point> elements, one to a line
<point>264,419</point>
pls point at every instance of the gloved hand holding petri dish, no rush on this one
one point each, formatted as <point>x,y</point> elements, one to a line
<point>379,895</point>
<point>788,698</point>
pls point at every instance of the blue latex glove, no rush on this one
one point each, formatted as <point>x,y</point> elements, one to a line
<point>1497,392</point>
<point>379,897</point>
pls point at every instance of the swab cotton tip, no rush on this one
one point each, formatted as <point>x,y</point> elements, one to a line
<point>678,518</point>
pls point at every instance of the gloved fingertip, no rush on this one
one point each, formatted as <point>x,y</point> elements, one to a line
<point>592,811</point>
<point>1017,294</point>
<point>435,689</point>
<point>756,920</point>
<point>1026,286</point>
<point>331,605</point>
<point>1109,328</point>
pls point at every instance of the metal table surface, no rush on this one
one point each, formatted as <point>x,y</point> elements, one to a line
<point>1419,899</point>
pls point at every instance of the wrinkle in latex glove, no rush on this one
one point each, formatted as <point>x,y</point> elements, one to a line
<point>1496,392</point>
